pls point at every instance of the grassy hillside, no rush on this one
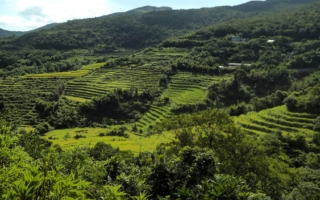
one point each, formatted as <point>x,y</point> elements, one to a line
<point>133,143</point>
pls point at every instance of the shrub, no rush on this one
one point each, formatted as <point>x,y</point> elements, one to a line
<point>291,102</point>
<point>101,134</point>
<point>120,132</point>
<point>43,128</point>
<point>78,136</point>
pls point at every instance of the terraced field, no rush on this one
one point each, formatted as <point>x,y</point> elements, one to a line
<point>185,88</point>
<point>21,94</point>
<point>104,80</point>
<point>277,119</point>
<point>153,116</point>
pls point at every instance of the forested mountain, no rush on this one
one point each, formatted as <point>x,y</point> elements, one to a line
<point>48,26</point>
<point>107,34</point>
<point>261,6</point>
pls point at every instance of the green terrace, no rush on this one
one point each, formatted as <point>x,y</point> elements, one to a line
<point>104,80</point>
<point>19,96</point>
<point>277,119</point>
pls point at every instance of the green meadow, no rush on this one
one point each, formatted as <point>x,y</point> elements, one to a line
<point>134,143</point>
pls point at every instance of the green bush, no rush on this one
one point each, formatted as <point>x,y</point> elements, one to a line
<point>43,128</point>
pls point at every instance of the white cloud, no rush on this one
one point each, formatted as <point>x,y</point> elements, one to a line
<point>22,23</point>
<point>35,13</point>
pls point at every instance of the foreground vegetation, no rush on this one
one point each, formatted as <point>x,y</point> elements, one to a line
<point>208,151</point>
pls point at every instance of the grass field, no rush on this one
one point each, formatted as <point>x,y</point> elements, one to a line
<point>71,74</point>
<point>277,119</point>
<point>78,99</point>
<point>134,143</point>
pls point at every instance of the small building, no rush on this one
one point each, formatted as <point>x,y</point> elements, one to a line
<point>235,38</point>
<point>234,65</point>
<point>270,41</point>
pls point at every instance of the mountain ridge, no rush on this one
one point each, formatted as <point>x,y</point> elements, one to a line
<point>140,10</point>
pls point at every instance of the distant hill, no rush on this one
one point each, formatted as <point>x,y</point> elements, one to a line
<point>141,10</point>
<point>261,6</point>
<point>136,31</point>
<point>5,33</point>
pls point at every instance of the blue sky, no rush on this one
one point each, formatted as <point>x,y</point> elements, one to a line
<point>23,15</point>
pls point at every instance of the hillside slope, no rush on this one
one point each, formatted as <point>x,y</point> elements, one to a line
<point>5,33</point>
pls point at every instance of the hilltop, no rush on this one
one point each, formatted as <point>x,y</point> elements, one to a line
<point>5,33</point>
<point>141,10</point>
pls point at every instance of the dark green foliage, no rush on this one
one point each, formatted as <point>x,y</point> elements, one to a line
<point>118,105</point>
<point>270,101</point>
<point>43,128</point>
<point>60,113</point>
<point>78,136</point>
<point>120,133</point>
<point>102,151</point>
<point>291,102</point>
<point>33,144</point>
<point>317,124</point>
<point>160,179</point>
<point>307,100</point>
<point>19,63</point>
<point>221,187</point>
<point>2,106</point>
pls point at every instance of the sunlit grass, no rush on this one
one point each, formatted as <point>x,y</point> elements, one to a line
<point>78,99</point>
<point>71,74</point>
<point>134,143</point>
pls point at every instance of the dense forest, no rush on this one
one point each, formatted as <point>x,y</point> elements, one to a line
<point>235,92</point>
